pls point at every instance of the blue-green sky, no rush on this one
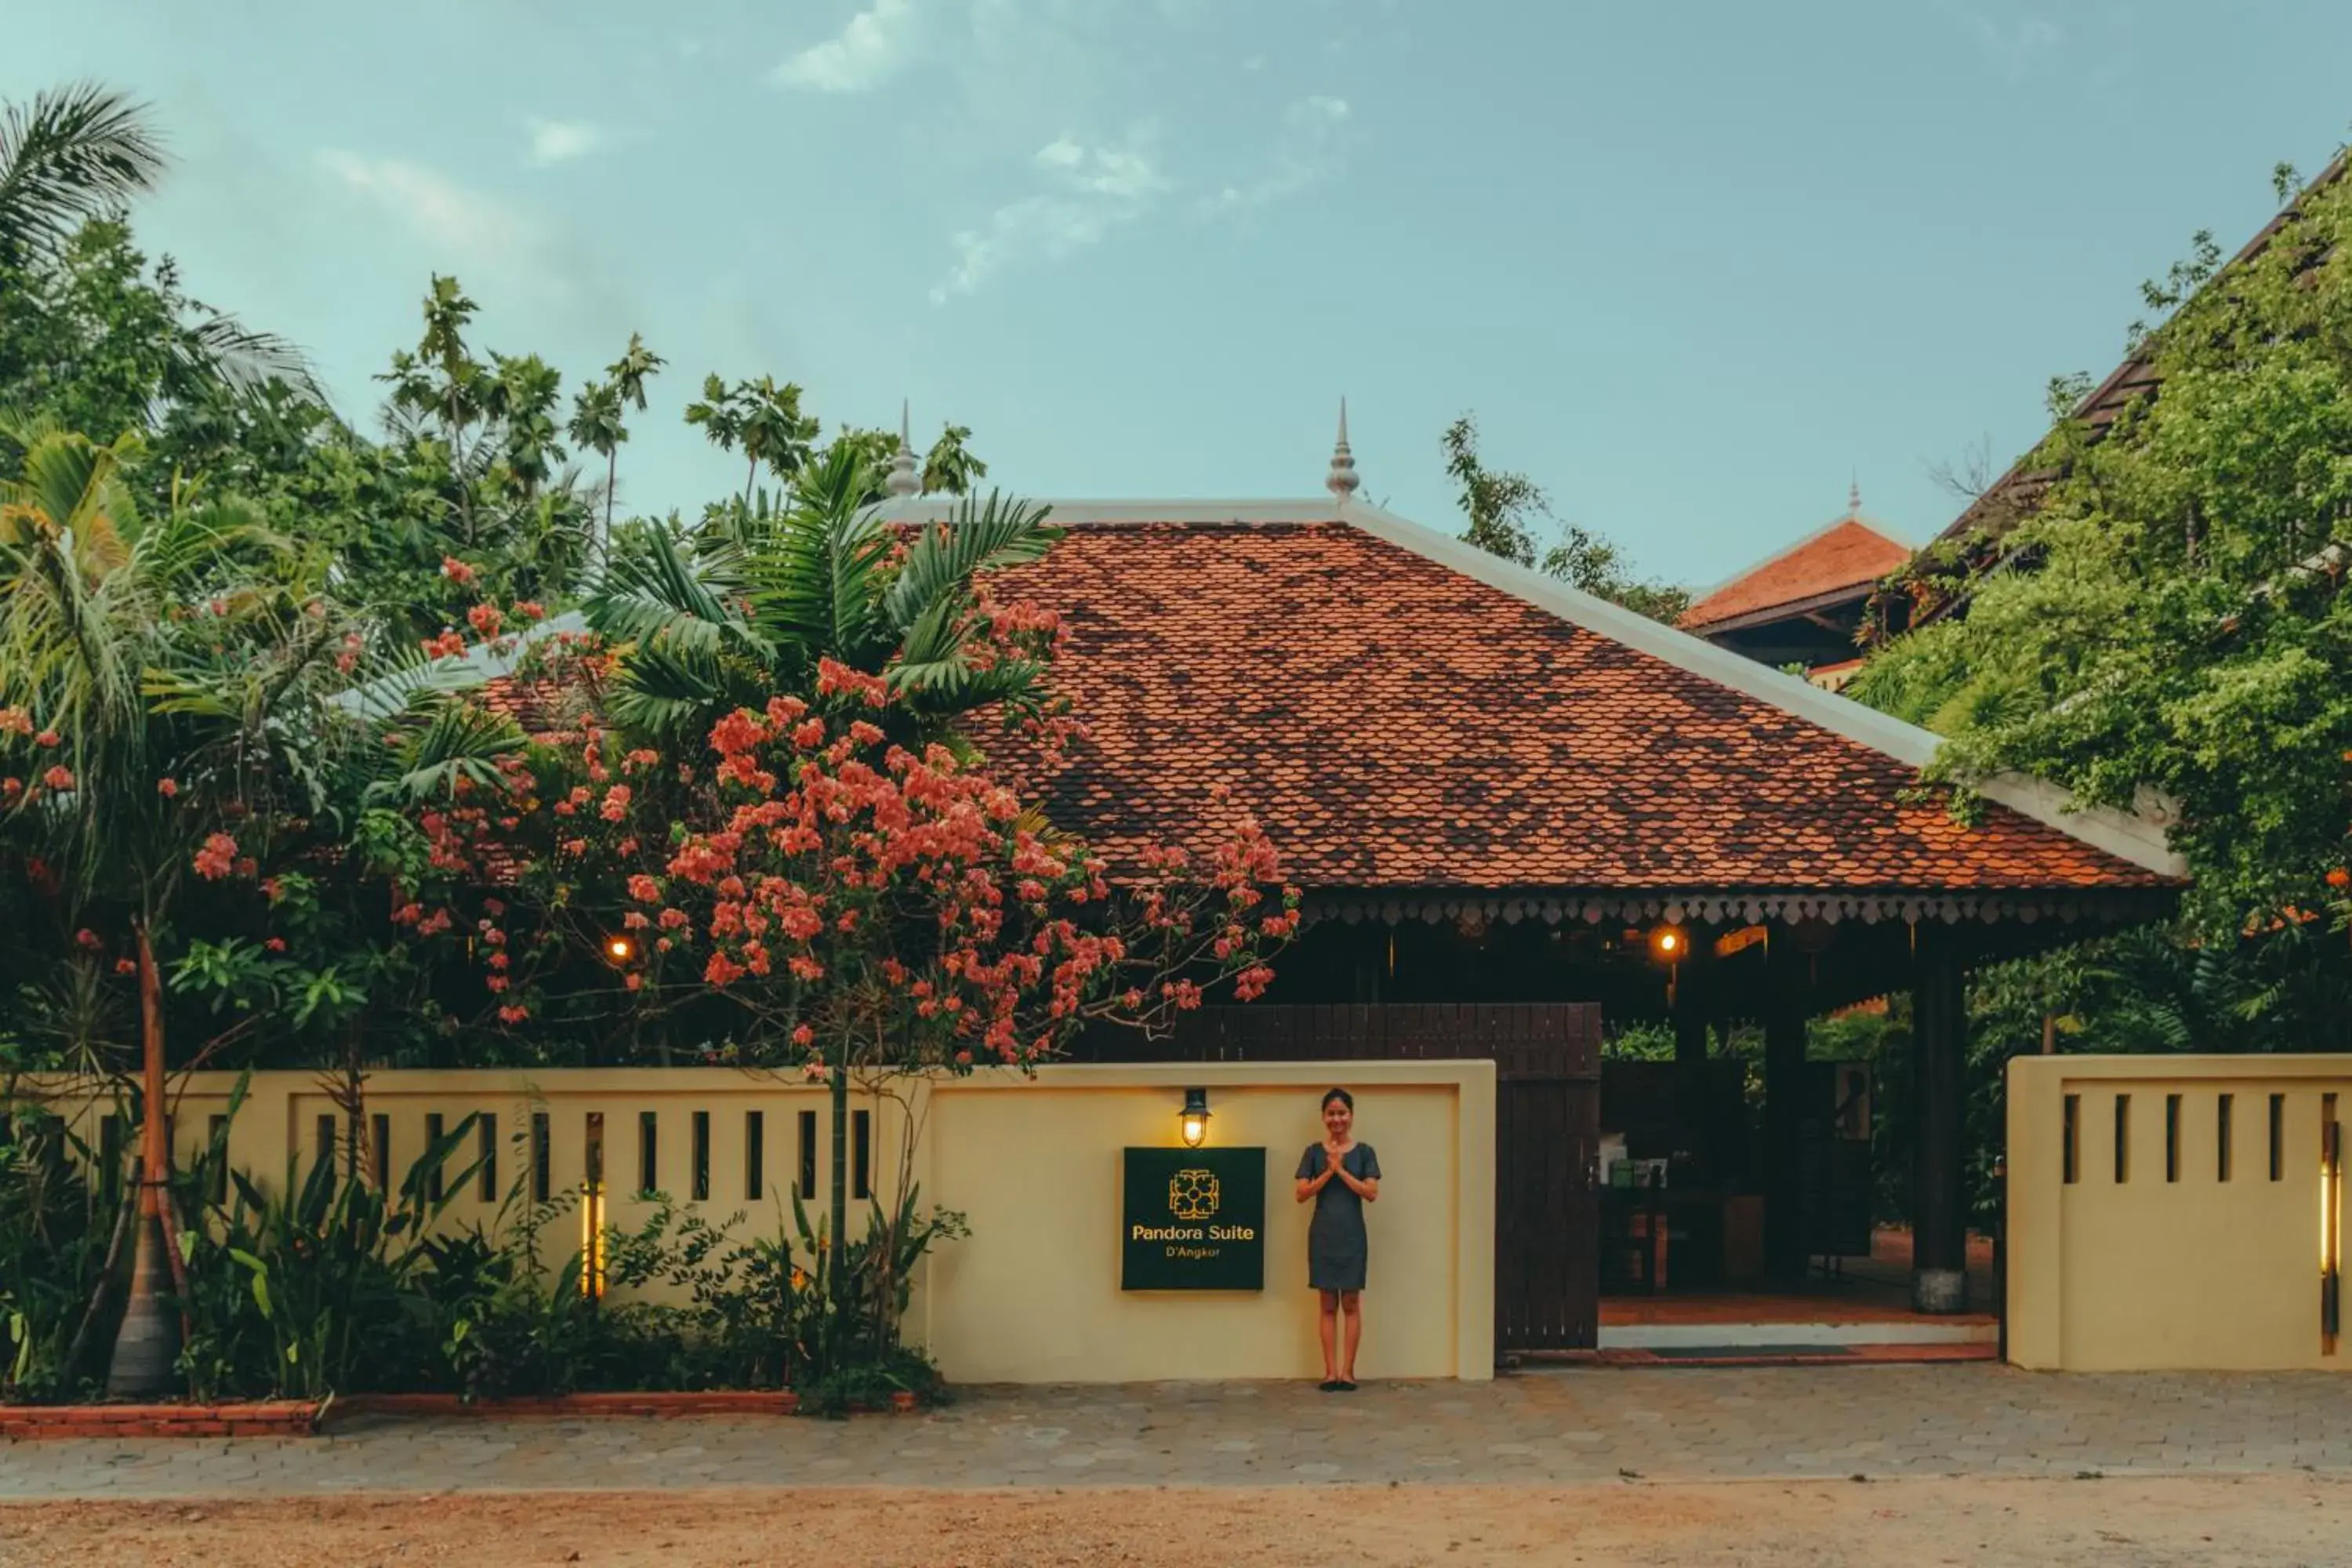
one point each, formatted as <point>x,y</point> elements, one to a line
<point>1693,262</point>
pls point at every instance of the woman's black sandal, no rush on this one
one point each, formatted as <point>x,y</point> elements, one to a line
<point>1330,1385</point>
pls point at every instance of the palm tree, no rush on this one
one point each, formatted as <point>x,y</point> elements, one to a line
<point>598,420</point>
<point>597,426</point>
<point>715,411</point>
<point>765,419</point>
<point>630,373</point>
<point>115,641</point>
<point>721,622</point>
<point>71,154</point>
<point>775,432</point>
<point>83,151</point>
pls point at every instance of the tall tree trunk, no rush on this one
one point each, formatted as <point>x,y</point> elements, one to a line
<point>612,470</point>
<point>749,480</point>
<point>144,1348</point>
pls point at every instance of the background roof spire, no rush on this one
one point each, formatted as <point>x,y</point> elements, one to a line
<point>1343,478</point>
<point>903,479</point>
<point>1853,498</point>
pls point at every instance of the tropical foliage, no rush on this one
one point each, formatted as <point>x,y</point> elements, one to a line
<point>1509,515</point>
<point>242,788</point>
<point>2169,622</point>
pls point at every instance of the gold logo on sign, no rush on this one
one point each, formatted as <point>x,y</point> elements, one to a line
<point>1193,1194</point>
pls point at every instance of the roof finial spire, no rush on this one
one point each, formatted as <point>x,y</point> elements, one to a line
<point>903,479</point>
<point>1853,497</point>
<point>1342,480</point>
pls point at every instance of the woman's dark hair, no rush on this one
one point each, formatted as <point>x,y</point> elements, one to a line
<point>1342,1096</point>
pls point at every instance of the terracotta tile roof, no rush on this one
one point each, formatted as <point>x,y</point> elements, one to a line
<point>1396,724</point>
<point>1849,553</point>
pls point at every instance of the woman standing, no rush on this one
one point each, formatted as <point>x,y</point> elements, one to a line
<point>1341,1176</point>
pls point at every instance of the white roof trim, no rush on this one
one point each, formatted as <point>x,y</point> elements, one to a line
<point>1078,513</point>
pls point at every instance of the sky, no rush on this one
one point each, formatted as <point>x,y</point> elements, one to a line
<point>1694,265</point>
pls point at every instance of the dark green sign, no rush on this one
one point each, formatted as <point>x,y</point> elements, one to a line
<point>1192,1219</point>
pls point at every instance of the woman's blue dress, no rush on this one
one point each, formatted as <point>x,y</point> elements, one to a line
<point>1335,1243</point>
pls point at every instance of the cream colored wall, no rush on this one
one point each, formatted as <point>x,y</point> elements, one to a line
<point>1034,1164</point>
<point>2149,1273</point>
<point>1035,1296</point>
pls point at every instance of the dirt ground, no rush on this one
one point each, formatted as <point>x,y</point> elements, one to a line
<point>2243,1521</point>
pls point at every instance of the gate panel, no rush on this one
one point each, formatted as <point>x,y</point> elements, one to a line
<point>1547,1060</point>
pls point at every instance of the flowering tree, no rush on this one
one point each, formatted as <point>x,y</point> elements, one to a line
<point>157,678</point>
<point>860,906</point>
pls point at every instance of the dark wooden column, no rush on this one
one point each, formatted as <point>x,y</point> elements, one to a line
<point>1690,1009</point>
<point>1939,1032</point>
<point>1784,1127</point>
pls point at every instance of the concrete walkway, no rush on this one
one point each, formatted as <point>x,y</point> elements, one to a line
<point>1543,1427</point>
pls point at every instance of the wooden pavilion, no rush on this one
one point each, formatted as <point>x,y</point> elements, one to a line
<point>1517,810</point>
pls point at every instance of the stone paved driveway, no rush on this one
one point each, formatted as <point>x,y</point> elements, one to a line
<point>1545,1427</point>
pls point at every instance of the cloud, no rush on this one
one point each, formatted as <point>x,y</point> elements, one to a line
<point>555,141</point>
<point>1093,190</point>
<point>456,223</point>
<point>1306,152</point>
<point>870,49</point>
<point>2016,48</point>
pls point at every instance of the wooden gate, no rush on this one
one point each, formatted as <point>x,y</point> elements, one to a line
<point>1547,1059</point>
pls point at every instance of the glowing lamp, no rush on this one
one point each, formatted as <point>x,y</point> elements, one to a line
<point>1668,943</point>
<point>1193,1122</point>
<point>620,949</point>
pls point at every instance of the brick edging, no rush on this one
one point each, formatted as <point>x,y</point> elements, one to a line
<point>258,1418</point>
<point>302,1418</point>
<point>708,1402</point>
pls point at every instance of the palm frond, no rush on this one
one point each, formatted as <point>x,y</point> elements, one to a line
<point>219,350</point>
<point>816,571</point>
<point>666,687</point>
<point>71,480</point>
<point>943,560</point>
<point>657,595</point>
<point>69,154</point>
<point>455,739</point>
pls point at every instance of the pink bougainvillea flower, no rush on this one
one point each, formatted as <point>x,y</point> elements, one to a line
<point>167,788</point>
<point>218,856</point>
<point>457,571</point>
<point>58,778</point>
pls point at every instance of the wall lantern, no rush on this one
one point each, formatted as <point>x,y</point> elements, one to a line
<point>1193,1124</point>
<point>1668,944</point>
<point>620,949</point>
